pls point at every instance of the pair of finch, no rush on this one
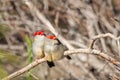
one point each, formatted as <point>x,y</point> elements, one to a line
<point>48,47</point>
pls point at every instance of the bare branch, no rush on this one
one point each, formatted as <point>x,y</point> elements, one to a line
<point>102,36</point>
<point>69,52</point>
<point>25,69</point>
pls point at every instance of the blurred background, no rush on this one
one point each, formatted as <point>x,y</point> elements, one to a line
<point>77,21</point>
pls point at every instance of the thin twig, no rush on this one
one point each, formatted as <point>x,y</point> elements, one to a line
<point>46,22</point>
<point>69,52</point>
<point>102,36</point>
<point>25,69</point>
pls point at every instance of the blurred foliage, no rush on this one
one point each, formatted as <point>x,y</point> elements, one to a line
<point>6,56</point>
<point>29,50</point>
<point>3,72</point>
<point>4,28</point>
<point>29,76</point>
<point>30,58</point>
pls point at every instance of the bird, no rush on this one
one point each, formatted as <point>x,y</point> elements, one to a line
<point>38,47</point>
<point>54,49</point>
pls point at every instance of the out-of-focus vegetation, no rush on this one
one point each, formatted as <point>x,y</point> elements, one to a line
<point>4,28</point>
<point>6,57</point>
<point>77,21</point>
<point>3,72</point>
<point>30,56</point>
<point>29,50</point>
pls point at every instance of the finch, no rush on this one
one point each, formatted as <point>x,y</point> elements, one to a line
<point>54,49</point>
<point>38,46</point>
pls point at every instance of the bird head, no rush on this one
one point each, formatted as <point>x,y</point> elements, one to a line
<point>54,39</point>
<point>39,35</point>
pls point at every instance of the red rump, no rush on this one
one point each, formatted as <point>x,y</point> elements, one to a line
<point>52,37</point>
<point>39,33</point>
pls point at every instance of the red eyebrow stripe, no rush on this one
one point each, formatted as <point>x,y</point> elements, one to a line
<point>39,33</point>
<point>36,33</point>
<point>52,37</point>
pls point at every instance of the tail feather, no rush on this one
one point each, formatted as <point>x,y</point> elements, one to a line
<point>68,57</point>
<point>50,64</point>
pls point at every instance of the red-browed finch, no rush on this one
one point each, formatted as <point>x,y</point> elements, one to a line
<point>38,46</point>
